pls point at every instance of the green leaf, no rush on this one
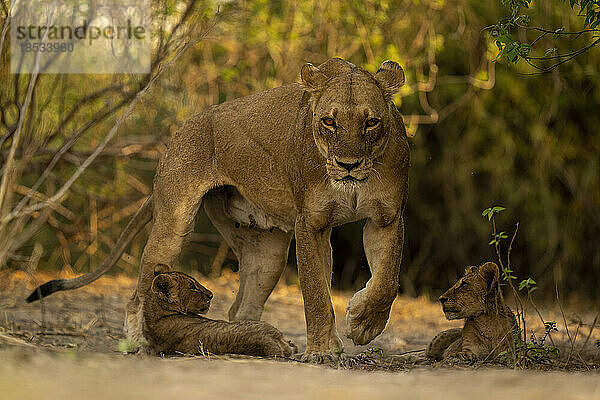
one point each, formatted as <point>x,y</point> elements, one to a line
<point>127,346</point>
<point>528,283</point>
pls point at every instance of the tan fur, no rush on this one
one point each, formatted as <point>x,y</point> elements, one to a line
<point>295,160</point>
<point>488,321</point>
<point>174,324</point>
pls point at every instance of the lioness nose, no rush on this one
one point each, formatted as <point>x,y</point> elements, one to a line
<point>348,166</point>
<point>443,299</point>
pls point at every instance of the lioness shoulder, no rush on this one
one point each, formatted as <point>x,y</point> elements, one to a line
<point>489,322</point>
<point>173,322</point>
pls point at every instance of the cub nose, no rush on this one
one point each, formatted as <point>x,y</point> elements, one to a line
<point>443,299</point>
<point>348,166</point>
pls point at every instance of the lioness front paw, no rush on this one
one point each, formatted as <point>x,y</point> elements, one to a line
<point>365,320</point>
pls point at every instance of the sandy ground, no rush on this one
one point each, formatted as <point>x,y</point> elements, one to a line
<point>67,347</point>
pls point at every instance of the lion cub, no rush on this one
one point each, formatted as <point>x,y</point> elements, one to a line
<point>488,321</point>
<point>173,323</point>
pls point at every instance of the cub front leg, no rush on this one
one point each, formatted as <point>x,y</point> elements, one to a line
<point>369,308</point>
<point>322,339</point>
<point>443,341</point>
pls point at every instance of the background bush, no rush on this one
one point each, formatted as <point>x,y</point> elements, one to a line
<point>484,134</point>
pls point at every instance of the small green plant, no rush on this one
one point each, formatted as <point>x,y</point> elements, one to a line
<point>537,350</point>
<point>126,346</point>
<point>526,351</point>
<point>528,284</point>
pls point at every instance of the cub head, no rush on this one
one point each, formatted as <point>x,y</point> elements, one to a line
<point>473,294</point>
<point>351,115</point>
<point>179,292</point>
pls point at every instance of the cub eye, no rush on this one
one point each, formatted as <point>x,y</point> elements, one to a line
<point>328,121</point>
<point>462,284</point>
<point>371,122</point>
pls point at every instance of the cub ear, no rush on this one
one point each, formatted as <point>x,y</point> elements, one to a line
<point>390,76</point>
<point>312,78</point>
<point>161,269</point>
<point>470,270</point>
<point>163,286</point>
<point>490,273</point>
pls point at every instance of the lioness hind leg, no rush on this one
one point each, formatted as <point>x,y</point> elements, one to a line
<point>442,342</point>
<point>262,256</point>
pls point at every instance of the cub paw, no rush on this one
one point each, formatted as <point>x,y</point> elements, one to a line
<point>462,357</point>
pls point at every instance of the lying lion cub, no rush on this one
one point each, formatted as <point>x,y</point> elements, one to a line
<point>488,321</point>
<point>173,323</point>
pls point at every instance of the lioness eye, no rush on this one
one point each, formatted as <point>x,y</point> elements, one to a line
<point>371,122</point>
<point>327,121</point>
<point>462,284</point>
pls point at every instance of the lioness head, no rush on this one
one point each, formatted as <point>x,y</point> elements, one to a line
<point>471,295</point>
<point>179,292</point>
<point>351,115</point>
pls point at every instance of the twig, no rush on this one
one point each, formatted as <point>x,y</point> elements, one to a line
<point>48,333</point>
<point>562,312</point>
<point>510,246</point>
<point>535,307</point>
<point>57,197</point>
<point>24,107</point>
<point>589,334</point>
<point>6,24</point>
<point>573,344</point>
<point>495,348</point>
<point>407,352</point>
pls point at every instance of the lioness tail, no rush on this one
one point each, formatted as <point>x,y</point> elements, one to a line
<point>142,216</point>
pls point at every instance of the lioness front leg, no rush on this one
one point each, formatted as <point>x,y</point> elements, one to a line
<point>322,338</point>
<point>369,309</point>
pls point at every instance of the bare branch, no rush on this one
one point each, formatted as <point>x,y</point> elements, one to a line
<point>57,197</point>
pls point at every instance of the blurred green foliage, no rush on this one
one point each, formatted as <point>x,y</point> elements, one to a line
<point>484,133</point>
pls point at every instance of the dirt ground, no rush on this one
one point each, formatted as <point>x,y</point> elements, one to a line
<point>67,347</point>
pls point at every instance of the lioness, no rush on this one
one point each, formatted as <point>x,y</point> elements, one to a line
<point>488,321</point>
<point>173,322</point>
<point>295,160</point>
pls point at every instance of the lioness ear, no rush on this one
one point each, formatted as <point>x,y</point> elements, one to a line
<point>490,273</point>
<point>161,269</point>
<point>390,76</point>
<point>312,78</point>
<point>162,287</point>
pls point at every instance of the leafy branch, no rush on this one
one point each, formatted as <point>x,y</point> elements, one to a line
<point>511,50</point>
